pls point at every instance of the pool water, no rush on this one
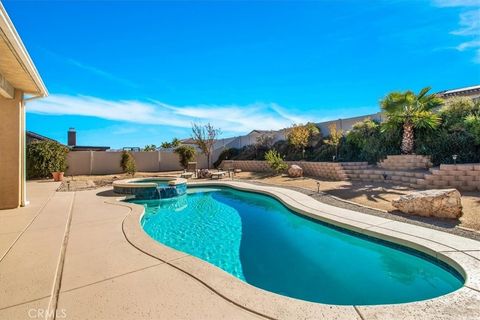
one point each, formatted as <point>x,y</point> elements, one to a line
<point>260,241</point>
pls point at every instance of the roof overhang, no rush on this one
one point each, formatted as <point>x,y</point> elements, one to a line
<point>17,70</point>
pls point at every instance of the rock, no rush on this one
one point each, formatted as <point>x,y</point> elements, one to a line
<point>204,174</point>
<point>442,203</point>
<point>295,171</point>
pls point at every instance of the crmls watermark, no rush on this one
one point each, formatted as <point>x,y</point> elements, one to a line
<point>47,314</point>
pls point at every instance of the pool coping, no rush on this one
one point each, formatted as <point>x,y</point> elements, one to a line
<point>462,254</point>
<point>131,183</point>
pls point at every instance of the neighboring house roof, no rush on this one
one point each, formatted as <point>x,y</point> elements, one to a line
<point>187,141</point>
<point>35,136</point>
<point>465,91</point>
<point>16,67</point>
<point>258,131</point>
<point>88,148</point>
<point>263,131</point>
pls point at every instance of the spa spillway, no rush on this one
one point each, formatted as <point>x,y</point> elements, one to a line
<point>151,188</point>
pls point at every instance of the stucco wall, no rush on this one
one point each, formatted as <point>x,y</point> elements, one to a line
<point>11,116</point>
<point>347,124</point>
<point>169,161</point>
<point>105,162</point>
<point>78,163</point>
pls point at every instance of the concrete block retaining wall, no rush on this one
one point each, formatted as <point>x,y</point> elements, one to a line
<point>464,177</point>
<point>406,162</point>
<point>328,170</point>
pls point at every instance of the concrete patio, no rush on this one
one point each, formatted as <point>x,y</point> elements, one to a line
<point>100,275</point>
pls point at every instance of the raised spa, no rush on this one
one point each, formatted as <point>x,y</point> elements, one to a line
<point>260,241</point>
<point>151,188</point>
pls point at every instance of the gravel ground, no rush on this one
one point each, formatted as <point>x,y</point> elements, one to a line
<point>446,225</point>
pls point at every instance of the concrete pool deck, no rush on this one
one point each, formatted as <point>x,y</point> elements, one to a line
<point>103,276</point>
<point>71,252</point>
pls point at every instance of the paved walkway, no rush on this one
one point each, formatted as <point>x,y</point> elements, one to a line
<point>66,252</point>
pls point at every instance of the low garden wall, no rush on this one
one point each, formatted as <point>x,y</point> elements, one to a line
<point>465,177</point>
<point>328,170</point>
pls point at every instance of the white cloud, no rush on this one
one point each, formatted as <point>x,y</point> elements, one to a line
<point>89,68</point>
<point>468,45</point>
<point>469,24</point>
<point>456,3</point>
<point>100,72</point>
<point>230,118</point>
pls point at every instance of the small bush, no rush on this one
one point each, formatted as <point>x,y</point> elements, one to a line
<point>128,163</point>
<point>186,154</point>
<point>275,161</point>
<point>45,157</point>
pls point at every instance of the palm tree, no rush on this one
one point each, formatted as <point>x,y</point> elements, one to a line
<point>411,111</point>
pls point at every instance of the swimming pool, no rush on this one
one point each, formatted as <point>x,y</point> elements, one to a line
<point>257,239</point>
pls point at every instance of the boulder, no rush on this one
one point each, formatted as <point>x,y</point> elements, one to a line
<point>442,203</point>
<point>295,171</point>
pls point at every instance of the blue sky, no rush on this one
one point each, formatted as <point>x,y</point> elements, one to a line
<point>136,73</point>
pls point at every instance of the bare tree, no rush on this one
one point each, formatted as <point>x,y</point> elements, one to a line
<point>264,141</point>
<point>205,137</point>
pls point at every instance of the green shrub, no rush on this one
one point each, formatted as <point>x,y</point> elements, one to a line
<point>45,157</point>
<point>291,153</point>
<point>128,163</point>
<point>150,147</point>
<point>472,123</point>
<point>455,111</point>
<point>186,154</point>
<point>459,133</point>
<point>324,153</point>
<point>368,142</point>
<point>444,144</point>
<point>247,153</point>
<point>230,154</point>
<point>275,161</point>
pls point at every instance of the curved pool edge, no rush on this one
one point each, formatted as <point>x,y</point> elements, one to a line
<point>453,250</point>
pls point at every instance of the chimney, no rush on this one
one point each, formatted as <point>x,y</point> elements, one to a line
<point>72,137</point>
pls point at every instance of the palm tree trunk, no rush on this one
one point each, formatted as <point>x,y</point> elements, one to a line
<point>407,141</point>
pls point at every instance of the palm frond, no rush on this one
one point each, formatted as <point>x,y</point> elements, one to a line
<point>431,102</point>
<point>393,102</point>
<point>423,92</point>
<point>394,122</point>
<point>425,120</point>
